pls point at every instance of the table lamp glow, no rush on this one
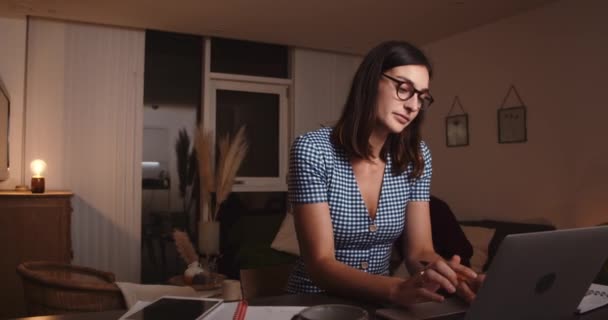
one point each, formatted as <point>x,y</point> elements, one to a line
<point>37,167</point>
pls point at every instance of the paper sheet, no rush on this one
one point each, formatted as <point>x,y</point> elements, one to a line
<point>136,307</point>
<point>596,297</point>
<point>226,311</point>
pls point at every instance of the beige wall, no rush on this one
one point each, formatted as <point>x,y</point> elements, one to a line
<point>556,56</point>
<point>12,72</point>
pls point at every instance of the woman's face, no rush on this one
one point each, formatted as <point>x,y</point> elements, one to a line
<point>393,113</point>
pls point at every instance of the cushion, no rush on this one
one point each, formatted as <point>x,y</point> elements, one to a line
<point>504,228</point>
<point>480,238</point>
<point>286,240</point>
<point>448,237</point>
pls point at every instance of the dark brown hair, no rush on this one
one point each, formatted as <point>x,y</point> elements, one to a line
<point>353,130</point>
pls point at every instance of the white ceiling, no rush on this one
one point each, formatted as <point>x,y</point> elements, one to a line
<point>336,25</point>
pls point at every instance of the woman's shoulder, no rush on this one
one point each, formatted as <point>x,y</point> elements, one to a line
<point>424,148</point>
<point>319,139</point>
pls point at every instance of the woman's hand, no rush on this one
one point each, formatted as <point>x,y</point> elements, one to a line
<point>467,289</point>
<point>423,285</point>
<point>468,281</point>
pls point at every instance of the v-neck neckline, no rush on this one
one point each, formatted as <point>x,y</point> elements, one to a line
<point>360,195</point>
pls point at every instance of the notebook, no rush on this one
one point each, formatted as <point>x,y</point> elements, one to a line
<point>541,275</point>
<point>597,295</point>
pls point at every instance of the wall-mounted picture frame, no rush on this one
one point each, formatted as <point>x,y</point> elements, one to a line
<point>457,130</point>
<point>512,125</point>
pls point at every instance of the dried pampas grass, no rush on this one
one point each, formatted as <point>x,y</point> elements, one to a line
<point>231,155</point>
<point>184,247</point>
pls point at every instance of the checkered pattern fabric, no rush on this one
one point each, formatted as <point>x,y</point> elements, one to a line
<point>321,172</point>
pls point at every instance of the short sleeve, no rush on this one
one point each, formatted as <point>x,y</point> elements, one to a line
<point>421,187</point>
<point>307,181</point>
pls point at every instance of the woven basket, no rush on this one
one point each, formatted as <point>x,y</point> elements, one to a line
<point>58,288</point>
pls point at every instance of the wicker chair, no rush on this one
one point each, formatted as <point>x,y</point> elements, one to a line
<point>58,288</point>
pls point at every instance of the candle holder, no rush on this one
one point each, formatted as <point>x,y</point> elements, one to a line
<point>37,184</point>
<point>37,166</point>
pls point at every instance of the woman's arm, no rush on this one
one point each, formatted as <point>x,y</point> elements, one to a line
<point>418,250</point>
<point>315,237</point>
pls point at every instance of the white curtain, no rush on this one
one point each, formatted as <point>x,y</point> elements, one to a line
<point>84,117</point>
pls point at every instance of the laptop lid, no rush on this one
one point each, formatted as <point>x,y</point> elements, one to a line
<point>541,275</point>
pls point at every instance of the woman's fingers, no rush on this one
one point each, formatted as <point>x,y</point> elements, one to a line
<point>468,289</point>
<point>465,292</point>
<point>417,289</point>
<point>462,270</point>
<point>426,295</point>
<point>478,282</point>
<point>433,276</point>
<point>449,275</point>
<point>446,271</point>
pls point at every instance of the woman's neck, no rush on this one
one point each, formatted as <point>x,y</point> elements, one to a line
<point>376,142</point>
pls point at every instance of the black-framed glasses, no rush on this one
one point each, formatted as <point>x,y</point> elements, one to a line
<point>405,90</point>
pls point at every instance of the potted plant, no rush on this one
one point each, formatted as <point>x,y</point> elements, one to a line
<point>216,183</point>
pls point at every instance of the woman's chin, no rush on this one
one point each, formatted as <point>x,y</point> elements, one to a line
<point>398,128</point>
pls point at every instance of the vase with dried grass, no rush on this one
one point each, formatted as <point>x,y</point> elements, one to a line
<point>216,184</point>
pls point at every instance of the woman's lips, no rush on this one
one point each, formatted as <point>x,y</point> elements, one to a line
<point>401,118</point>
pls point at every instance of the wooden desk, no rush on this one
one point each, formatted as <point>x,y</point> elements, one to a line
<point>288,300</point>
<point>33,226</point>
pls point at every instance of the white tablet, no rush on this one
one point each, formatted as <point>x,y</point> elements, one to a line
<point>176,308</point>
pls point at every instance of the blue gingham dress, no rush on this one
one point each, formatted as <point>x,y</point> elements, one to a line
<point>321,172</point>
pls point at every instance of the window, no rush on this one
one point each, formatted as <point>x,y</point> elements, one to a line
<point>262,109</point>
<point>249,58</point>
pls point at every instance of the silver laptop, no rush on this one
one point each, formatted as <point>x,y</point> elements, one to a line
<point>540,275</point>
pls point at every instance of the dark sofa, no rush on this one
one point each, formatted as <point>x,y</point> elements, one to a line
<point>449,239</point>
<point>503,229</point>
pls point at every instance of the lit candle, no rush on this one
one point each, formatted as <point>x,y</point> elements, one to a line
<point>37,167</point>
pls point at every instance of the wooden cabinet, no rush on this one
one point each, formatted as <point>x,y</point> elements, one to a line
<point>32,227</point>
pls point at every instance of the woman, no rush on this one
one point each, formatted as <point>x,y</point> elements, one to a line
<point>357,186</point>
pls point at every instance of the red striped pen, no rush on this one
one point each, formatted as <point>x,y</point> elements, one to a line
<point>241,310</point>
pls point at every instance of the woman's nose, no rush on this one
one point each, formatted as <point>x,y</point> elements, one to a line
<point>412,104</point>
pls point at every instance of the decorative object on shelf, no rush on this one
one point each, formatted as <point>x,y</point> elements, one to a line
<point>188,253</point>
<point>184,247</point>
<point>194,271</point>
<point>37,167</point>
<point>457,126</point>
<point>512,120</point>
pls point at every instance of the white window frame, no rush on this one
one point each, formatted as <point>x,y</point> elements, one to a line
<point>249,184</point>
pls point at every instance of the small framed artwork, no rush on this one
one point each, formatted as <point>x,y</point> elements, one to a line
<point>457,130</point>
<point>512,125</point>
